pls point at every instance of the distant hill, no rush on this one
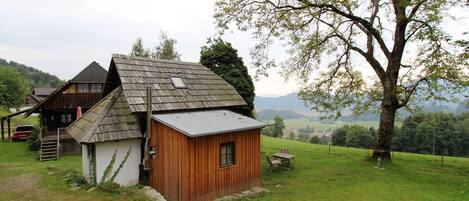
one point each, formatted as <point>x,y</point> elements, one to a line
<point>291,103</point>
<point>270,114</point>
<point>35,77</point>
<point>287,102</point>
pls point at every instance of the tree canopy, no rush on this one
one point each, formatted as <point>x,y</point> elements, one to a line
<point>13,88</point>
<point>34,77</point>
<point>166,49</point>
<point>276,129</point>
<point>446,132</point>
<point>400,43</point>
<point>220,57</point>
<point>139,50</point>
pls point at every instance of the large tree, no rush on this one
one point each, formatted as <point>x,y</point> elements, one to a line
<point>166,49</point>
<point>399,45</point>
<point>220,57</point>
<point>13,88</point>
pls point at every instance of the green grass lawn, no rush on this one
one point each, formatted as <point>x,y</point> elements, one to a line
<point>348,175</point>
<point>345,175</point>
<point>22,177</point>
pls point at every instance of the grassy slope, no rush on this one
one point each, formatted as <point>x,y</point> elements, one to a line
<point>344,175</point>
<point>347,175</point>
<point>16,161</point>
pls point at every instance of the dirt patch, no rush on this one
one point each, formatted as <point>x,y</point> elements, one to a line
<point>26,183</point>
<point>7,165</point>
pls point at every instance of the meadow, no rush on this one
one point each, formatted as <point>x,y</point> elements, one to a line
<point>346,174</point>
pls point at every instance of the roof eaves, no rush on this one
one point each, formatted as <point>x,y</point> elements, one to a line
<point>47,98</point>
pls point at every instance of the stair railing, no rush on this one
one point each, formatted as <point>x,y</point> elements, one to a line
<point>58,140</point>
<point>40,142</point>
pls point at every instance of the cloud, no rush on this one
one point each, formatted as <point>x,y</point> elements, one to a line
<point>62,37</point>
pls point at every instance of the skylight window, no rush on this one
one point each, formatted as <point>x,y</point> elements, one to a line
<point>178,82</point>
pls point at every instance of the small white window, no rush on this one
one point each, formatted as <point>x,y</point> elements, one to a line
<point>178,82</point>
<point>69,117</point>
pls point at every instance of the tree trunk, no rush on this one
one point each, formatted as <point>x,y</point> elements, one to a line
<point>389,107</point>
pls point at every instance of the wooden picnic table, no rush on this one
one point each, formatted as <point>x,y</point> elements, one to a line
<point>286,159</point>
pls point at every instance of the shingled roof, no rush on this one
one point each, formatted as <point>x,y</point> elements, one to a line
<point>93,73</point>
<point>43,91</point>
<point>109,119</point>
<point>204,88</point>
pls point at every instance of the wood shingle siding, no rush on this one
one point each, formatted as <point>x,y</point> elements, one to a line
<point>204,89</point>
<point>110,119</point>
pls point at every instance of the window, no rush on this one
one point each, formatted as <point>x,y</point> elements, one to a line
<point>178,82</point>
<point>227,154</point>
<point>99,88</point>
<point>93,88</point>
<point>83,88</point>
<point>63,118</point>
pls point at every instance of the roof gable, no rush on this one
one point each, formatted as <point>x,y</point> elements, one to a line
<point>204,88</point>
<point>109,119</point>
<point>93,73</point>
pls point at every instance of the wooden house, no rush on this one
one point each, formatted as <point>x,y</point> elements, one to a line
<point>37,95</point>
<point>59,109</point>
<point>192,146</point>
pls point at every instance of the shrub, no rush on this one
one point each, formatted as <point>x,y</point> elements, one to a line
<point>73,177</point>
<point>109,187</point>
<point>33,140</point>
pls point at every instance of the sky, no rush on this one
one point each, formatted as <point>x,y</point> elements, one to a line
<point>63,37</point>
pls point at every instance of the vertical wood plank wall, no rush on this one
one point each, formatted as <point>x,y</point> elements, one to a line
<point>189,168</point>
<point>171,160</point>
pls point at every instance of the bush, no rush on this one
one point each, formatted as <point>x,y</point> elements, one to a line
<point>33,140</point>
<point>109,187</point>
<point>315,140</point>
<point>354,136</point>
<point>72,177</point>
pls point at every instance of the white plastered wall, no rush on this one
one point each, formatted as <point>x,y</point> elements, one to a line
<point>129,174</point>
<point>85,162</point>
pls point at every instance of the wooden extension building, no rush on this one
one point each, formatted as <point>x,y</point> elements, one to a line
<point>59,109</point>
<point>192,146</point>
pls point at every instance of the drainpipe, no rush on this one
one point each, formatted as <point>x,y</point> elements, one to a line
<point>146,159</point>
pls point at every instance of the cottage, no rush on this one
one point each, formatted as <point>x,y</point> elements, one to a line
<point>189,145</point>
<point>37,95</point>
<point>59,109</point>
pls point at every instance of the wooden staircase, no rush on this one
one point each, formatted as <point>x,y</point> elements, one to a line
<point>50,147</point>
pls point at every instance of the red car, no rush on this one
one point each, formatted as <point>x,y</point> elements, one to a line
<point>22,132</point>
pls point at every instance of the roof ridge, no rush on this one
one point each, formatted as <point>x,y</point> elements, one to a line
<point>123,56</point>
<point>114,96</point>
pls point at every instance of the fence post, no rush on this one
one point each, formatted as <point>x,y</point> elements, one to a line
<point>9,129</point>
<point>3,132</point>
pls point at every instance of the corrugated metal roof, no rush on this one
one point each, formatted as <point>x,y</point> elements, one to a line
<point>202,123</point>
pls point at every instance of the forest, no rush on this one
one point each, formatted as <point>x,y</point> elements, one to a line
<point>17,80</point>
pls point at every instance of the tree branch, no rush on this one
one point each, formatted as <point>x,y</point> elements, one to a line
<point>376,34</point>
